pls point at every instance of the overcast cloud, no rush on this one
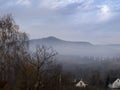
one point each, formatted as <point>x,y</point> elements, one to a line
<point>96,21</point>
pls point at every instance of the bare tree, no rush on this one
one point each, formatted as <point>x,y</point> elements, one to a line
<point>41,59</point>
<point>18,67</point>
<point>13,43</point>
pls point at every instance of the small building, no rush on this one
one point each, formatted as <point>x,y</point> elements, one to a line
<point>81,84</point>
<point>115,84</point>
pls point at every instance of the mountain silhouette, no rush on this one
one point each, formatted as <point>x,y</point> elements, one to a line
<point>76,48</point>
<point>53,40</point>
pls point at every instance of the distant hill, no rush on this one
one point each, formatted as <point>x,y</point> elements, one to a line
<point>77,48</point>
<point>53,41</point>
<point>81,55</point>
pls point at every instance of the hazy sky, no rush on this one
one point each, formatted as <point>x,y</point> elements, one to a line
<point>96,21</point>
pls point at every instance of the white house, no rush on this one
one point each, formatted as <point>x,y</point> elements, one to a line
<point>115,84</point>
<point>81,84</point>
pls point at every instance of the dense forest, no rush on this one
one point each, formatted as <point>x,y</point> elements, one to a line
<point>21,69</point>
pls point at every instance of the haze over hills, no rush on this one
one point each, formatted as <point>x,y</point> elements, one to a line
<point>77,48</point>
<point>53,40</point>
